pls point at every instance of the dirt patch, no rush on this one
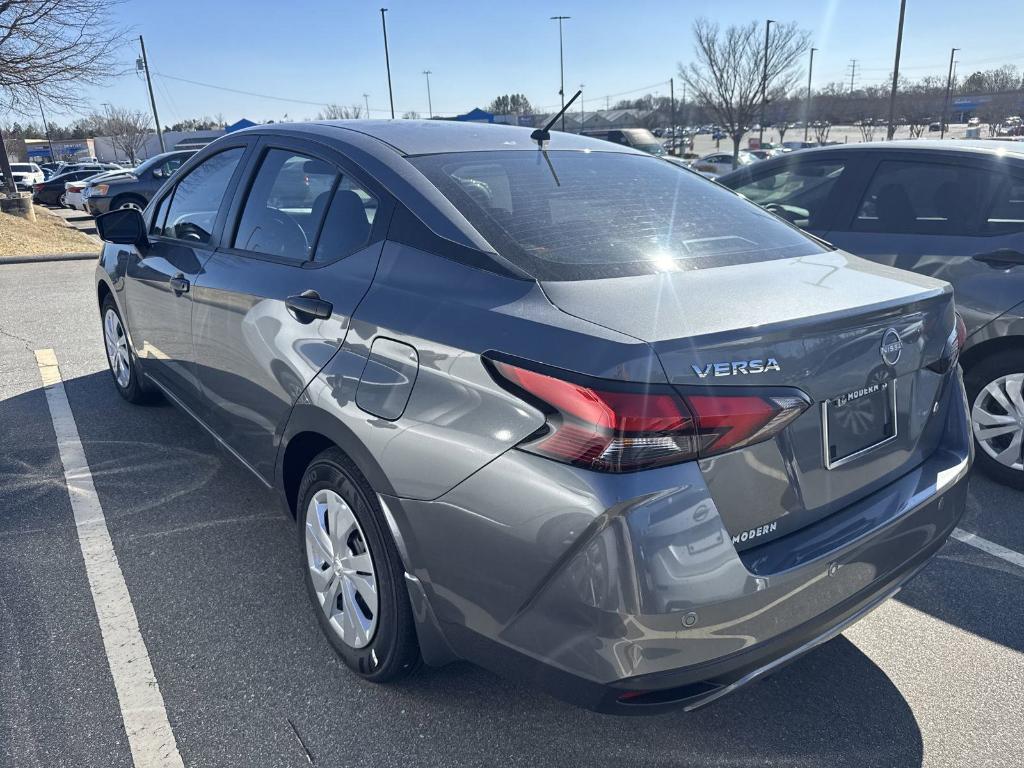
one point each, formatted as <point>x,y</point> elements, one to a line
<point>47,234</point>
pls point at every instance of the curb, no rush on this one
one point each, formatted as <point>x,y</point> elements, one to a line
<point>48,257</point>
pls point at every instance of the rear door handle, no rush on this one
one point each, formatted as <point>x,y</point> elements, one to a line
<point>179,284</point>
<point>1004,257</point>
<point>308,306</point>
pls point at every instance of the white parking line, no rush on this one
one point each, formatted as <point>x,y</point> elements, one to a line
<point>990,547</point>
<point>142,707</point>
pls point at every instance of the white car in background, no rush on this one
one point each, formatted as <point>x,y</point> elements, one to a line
<point>718,163</point>
<point>25,175</point>
<point>75,192</point>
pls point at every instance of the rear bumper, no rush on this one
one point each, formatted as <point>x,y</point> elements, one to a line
<point>625,594</point>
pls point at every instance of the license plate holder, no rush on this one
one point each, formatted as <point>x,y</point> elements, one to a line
<point>858,422</point>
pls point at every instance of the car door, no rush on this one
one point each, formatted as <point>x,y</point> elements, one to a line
<point>955,218</point>
<point>273,305</point>
<point>183,230</point>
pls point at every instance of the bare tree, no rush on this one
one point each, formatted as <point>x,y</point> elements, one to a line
<point>339,112</point>
<point>867,129</point>
<point>728,74</point>
<point>412,115</point>
<point>50,49</point>
<point>127,129</point>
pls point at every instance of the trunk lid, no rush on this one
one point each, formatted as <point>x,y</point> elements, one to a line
<point>815,323</point>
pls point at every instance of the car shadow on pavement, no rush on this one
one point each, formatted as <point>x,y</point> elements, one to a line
<point>832,707</point>
<point>213,572</point>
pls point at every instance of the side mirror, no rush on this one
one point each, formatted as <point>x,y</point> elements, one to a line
<point>158,173</point>
<point>124,226</point>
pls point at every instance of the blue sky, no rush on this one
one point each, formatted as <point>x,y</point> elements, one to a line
<point>332,51</point>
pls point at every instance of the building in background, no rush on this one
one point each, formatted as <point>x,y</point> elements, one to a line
<point>38,150</point>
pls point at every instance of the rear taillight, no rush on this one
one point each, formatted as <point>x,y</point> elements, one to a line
<point>613,427</point>
<point>953,347</point>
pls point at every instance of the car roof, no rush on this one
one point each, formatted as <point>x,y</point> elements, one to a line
<point>969,146</point>
<point>429,137</point>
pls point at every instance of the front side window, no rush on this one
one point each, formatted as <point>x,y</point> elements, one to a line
<point>798,191</point>
<point>197,198</point>
<point>921,198</point>
<point>567,215</point>
<point>285,205</point>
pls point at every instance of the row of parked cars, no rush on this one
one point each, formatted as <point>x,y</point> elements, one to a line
<point>100,187</point>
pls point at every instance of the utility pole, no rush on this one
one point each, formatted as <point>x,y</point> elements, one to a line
<point>853,73</point>
<point>764,80</point>
<point>672,110</point>
<point>366,100</point>
<point>387,60</point>
<point>430,104</point>
<point>949,87</point>
<point>152,100</point>
<point>561,63</point>
<point>46,127</point>
<point>891,130</point>
<point>807,111</point>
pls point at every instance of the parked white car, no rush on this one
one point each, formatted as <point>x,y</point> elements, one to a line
<point>718,163</point>
<point>25,175</point>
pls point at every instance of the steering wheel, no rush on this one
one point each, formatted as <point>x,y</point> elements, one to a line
<point>281,231</point>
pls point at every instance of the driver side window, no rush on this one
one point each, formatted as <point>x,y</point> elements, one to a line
<point>285,205</point>
<point>797,191</point>
<point>197,198</point>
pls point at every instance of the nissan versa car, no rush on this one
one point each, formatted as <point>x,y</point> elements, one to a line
<point>548,404</point>
<point>953,210</point>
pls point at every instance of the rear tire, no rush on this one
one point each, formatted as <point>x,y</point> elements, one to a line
<point>121,360</point>
<point>375,635</point>
<point>995,398</point>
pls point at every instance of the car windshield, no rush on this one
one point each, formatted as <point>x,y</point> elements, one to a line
<point>587,215</point>
<point>651,149</point>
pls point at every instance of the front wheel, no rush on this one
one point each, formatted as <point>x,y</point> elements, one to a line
<point>353,572</point>
<point>120,358</point>
<point>994,391</point>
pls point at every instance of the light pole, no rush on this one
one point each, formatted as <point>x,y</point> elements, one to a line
<point>387,59</point>
<point>152,100</point>
<point>672,111</point>
<point>561,63</point>
<point>891,130</point>
<point>764,79</point>
<point>46,126</point>
<point>366,100</point>
<point>430,105</point>
<point>949,86</point>
<point>807,111</point>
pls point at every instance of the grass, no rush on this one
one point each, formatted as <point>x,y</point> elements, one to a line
<point>47,234</point>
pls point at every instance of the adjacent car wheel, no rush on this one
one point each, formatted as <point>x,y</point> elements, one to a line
<point>128,201</point>
<point>994,392</point>
<point>63,200</point>
<point>121,359</point>
<point>353,572</point>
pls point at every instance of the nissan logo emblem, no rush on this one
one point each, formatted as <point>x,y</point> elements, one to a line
<point>892,346</point>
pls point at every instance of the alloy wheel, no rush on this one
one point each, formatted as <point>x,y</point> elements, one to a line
<point>998,420</point>
<point>130,205</point>
<point>341,568</point>
<point>117,348</point>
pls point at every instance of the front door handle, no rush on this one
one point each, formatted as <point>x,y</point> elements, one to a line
<point>1004,257</point>
<point>308,306</point>
<point>180,284</point>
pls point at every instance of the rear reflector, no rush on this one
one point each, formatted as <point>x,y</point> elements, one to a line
<point>612,427</point>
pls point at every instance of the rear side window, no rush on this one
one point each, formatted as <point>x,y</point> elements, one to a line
<point>1005,213</point>
<point>197,198</point>
<point>921,198</point>
<point>587,215</point>
<point>798,191</point>
<point>285,205</point>
<point>349,222</point>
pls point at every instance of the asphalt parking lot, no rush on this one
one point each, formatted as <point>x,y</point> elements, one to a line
<point>934,677</point>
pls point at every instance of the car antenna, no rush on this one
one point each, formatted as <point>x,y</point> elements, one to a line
<point>542,135</point>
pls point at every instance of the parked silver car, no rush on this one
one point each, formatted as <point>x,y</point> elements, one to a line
<point>568,411</point>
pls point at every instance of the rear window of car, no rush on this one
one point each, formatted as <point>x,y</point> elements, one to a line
<point>567,215</point>
<point>22,168</point>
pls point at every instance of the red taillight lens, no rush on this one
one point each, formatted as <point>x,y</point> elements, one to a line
<point>605,427</point>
